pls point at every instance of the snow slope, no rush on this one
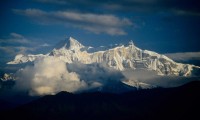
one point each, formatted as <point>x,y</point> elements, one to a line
<point>120,57</point>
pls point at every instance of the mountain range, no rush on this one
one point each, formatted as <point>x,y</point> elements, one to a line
<point>114,68</point>
<point>74,81</point>
<point>119,57</point>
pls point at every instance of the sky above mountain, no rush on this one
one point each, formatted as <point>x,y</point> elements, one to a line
<point>35,26</point>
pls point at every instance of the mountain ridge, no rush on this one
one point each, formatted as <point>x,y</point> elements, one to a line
<point>118,57</point>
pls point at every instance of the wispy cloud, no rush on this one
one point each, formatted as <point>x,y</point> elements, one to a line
<point>13,50</point>
<point>45,45</point>
<point>8,50</point>
<point>95,23</point>
<point>14,44</point>
<point>14,39</point>
<point>185,12</point>
<point>185,56</point>
<point>15,35</point>
<point>177,7</point>
<point>18,44</point>
<point>53,1</point>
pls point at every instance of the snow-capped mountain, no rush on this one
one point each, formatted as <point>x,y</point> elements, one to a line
<point>119,57</point>
<point>7,77</point>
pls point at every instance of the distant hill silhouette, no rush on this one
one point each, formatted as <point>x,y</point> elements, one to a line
<point>178,103</point>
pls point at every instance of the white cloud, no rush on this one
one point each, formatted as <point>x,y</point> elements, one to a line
<point>152,78</point>
<point>185,56</point>
<point>96,23</point>
<point>96,72</point>
<point>45,45</point>
<point>49,76</point>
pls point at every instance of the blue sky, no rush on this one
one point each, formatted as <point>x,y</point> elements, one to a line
<point>34,26</point>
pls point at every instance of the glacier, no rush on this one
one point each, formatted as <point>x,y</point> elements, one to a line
<point>119,57</point>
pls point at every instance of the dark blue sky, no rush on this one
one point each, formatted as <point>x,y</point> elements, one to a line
<point>164,26</point>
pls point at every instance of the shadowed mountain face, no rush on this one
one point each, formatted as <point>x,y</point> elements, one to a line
<point>171,103</point>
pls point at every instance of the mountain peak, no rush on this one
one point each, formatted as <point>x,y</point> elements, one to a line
<point>131,42</point>
<point>69,43</point>
<point>73,44</point>
<point>71,39</point>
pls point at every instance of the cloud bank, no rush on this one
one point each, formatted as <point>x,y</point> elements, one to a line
<point>96,72</point>
<point>95,23</point>
<point>184,56</point>
<point>151,78</point>
<point>48,76</point>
